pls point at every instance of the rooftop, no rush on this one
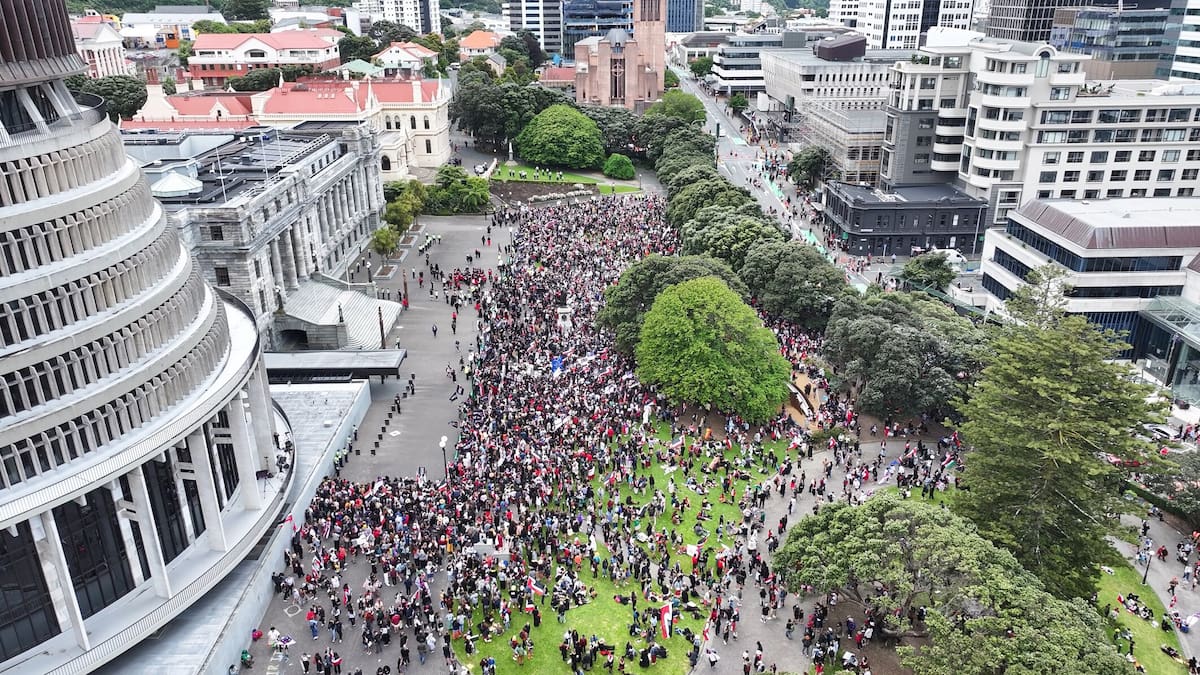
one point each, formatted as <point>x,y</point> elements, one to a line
<point>919,195</point>
<point>480,39</point>
<point>290,39</point>
<point>1100,224</point>
<point>805,57</point>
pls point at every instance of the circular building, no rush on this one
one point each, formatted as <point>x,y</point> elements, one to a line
<point>136,429</point>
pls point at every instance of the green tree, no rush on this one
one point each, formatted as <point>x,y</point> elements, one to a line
<point>684,206</point>
<point>626,303</point>
<point>1180,484</point>
<point>793,281</point>
<point>1051,404</point>
<point>727,233</point>
<point>903,353</point>
<point>168,86</point>
<point>123,94</point>
<point>678,104</point>
<point>676,181</point>
<point>618,166</point>
<point>738,102</point>
<point>670,79</point>
<point>985,615</point>
<point>701,66</point>
<point>810,166</point>
<point>453,191</point>
<point>650,134</point>
<point>208,26</point>
<point>929,271</point>
<point>616,126</point>
<point>385,241</point>
<point>561,136</point>
<point>399,215</point>
<point>700,343</point>
<point>259,79</point>
<point>386,32</point>
<point>533,49</point>
<point>184,52</point>
<point>354,47</point>
<point>245,10</point>
<point>684,148</point>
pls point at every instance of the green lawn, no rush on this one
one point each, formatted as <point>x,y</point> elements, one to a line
<point>502,174</point>
<point>1147,636</point>
<point>606,618</point>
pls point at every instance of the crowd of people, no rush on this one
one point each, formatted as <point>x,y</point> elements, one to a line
<point>554,430</point>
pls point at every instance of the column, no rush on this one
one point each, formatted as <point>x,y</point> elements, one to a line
<point>262,416</point>
<point>58,577</point>
<point>244,451</point>
<point>288,258</point>
<point>145,516</point>
<point>202,463</point>
<point>135,562</point>
<point>299,253</point>
<point>276,267</point>
<point>189,528</point>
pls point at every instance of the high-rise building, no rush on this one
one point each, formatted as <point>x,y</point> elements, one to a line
<point>1124,43</point>
<point>135,419</point>
<point>899,25</point>
<point>685,16</point>
<point>1024,20</point>
<point>423,16</point>
<point>543,18</point>
<point>593,18</point>
<point>1184,26</point>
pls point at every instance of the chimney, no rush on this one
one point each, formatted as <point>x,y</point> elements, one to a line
<point>416,85</point>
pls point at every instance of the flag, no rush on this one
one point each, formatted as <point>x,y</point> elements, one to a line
<point>291,520</point>
<point>664,616</point>
<point>1174,599</point>
<point>534,587</point>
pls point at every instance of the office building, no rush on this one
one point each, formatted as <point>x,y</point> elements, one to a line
<point>138,430</point>
<point>166,26</point>
<point>685,16</point>
<point>904,221</point>
<point>1124,43</point>
<point>1024,20</point>
<point>899,25</point>
<point>542,18</point>
<point>1184,27</point>
<point>737,64</point>
<point>593,18</point>
<point>619,70</point>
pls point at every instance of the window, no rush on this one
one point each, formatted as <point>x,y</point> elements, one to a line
<point>1123,155</point>
<point>95,551</point>
<point>1074,157</point>
<point>1146,155</point>
<point>1173,135</point>
<point>1178,115</point>
<point>1068,194</point>
<point>227,464</point>
<point>1141,175</point>
<point>1125,135</point>
<point>1095,176</point>
<point>1190,174</point>
<point>1185,192</point>
<point>426,121</point>
<point>222,274</point>
<point>1116,193</point>
<point>1118,176</point>
<point>27,612</point>
<point>1091,194</point>
<point>1060,93</point>
<point>925,123</point>
<point>1081,117</point>
<point>948,103</point>
<point>164,503</point>
<point>1170,156</point>
<point>924,141</point>
<point>921,158</point>
<point>412,121</point>
<point>1137,192</point>
<point>1052,137</point>
<point>1056,116</point>
<point>1166,175</point>
<point>428,147</point>
<point>1050,158</point>
<point>1045,194</point>
<point>1048,177</point>
<point>385,163</point>
<point>1099,157</point>
<point>1071,177</point>
<point>1156,115</point>
<point>1193,155</point>
<point>216,233</point>
<point>1162,192</point>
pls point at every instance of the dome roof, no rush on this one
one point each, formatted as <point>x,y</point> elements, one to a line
<point>616,36</point>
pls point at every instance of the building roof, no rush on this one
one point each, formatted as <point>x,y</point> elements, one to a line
<point>189,125</point>
<point>557,74</point>
<point>237,104</point>
<point>805,57</point>
<point>1100,224</point>
<point>175,184</point>
<point>480,39</point>
<point>411,49</point>
<point>165,18</point>
<point>915,196</point>
<point>360,67</point>
<point>339,97</point>
<point>288,39</point>
<point>92,30</point>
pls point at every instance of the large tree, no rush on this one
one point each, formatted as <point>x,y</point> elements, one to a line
<point>386,32</point>
<point>678,104</point>
<point>354,47</point>
<point>904,353</point>
<point>929,271</point>
<point>626,303</point>
<point>684,205</point>
<point>701,66</point>
<point>727,233</point>
<point>616,126</point>
<point>793,281</point>
<point>810,166</point>
<point>700,343</point>
<point>677,181</point>
<point>985,615</point>
<point>124,94</point>
<point>561,136</point>
<point>245,10</point>
<point>1049,410</point>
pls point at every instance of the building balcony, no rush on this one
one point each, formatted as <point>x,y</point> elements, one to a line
<point>1005,79</point>
<point>946,130</point>
<point>1001,146</point>
<point>939,165</point>
<point>91,118</point>
<point>994,101</point>
<point>947,148</point>
<point>996,164</point>
<point>1000,125</point>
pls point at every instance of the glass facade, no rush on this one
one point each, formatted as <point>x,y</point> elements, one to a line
<point>95,551</point>
<point>1078,263</point>
<point>168,512</point>
<point>26,613</point>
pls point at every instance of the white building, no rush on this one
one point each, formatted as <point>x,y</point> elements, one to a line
<point>423,16</point>
<point>737,63</point>
<point>1186,65</point>
<point>543,18</point>
<point>100,46</point>
<point>900,24</point>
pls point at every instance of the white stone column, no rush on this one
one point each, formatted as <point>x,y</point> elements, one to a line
<point>262,416</point>
<point>288,259</point>
<point>135,561</point>
<point>189,528</point>
<point>146,521</point>
<point>214,527</point>
<point>299,251</point>
<point>247,459</point>
<point>58,577</point>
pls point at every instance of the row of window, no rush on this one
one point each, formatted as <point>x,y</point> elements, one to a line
<point>1118,175</point>
<point>1077,263</point>
<point>1119,156</point>
<point>28,178</point>
<point>1121,116</point>
<point>1120,136</point>
<point>1117,193</point>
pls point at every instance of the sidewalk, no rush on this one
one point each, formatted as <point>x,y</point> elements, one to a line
<point>1161,573</point>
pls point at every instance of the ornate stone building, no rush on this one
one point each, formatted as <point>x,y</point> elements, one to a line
<point>136,427</point>
<point>623,70</point>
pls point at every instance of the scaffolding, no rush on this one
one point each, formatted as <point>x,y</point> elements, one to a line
<point>853,138</point>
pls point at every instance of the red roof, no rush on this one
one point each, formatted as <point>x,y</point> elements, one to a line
<point>332,97</point>
<point>202,106</point>
<point>480,39</point>
<point>420,51</point>
<point>562,74</point>
<point>288,39</point>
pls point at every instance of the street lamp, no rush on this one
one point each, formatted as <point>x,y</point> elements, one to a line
<point>1145,574</point>
<point>445,463</point>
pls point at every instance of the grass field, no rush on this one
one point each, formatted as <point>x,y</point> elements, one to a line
<point>602,183</point>
<point>606,618</point>
<point>1147,636</point>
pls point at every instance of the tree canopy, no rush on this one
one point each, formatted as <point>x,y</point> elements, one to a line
<point>701,66</point>
<point>626,303</point>
<point>618,166</point>
<point>700,343</point>
<point>809,166</point>
<point>124,94</point>
<point>385,32</point>
<point>354,47</point>
<point>679,104</point>
<point>985,615</point>
<point>616,126</point>
<point>684,205</point>
<point>929,271</point>
<point>385,241</point>
<point>793,281</point>
<point>1045,419</point>
<point>727,233</point>
<point>561,136</point>
<point>245,10</point>
<point>455,191</point>
<point>738,102</point>
<point>496,112</point>
<point>905,353</point>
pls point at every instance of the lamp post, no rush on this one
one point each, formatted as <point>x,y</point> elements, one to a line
<point>1146,573</point>
<point>445,463</point>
